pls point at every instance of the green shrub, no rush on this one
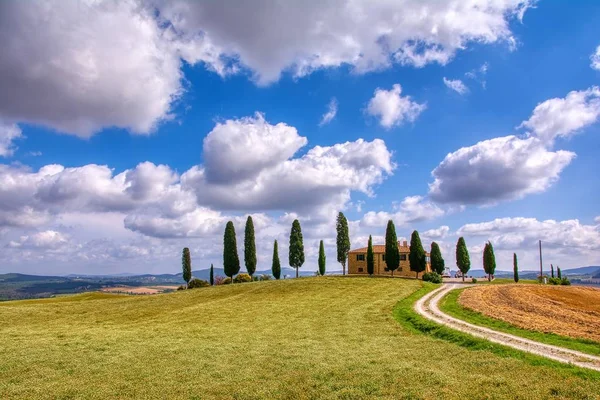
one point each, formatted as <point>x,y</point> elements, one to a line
<point>265,277</point>
<point>565,281</point>
<point>554,281</point>
<point>242,278</point>
<point>197,283</point>
<point>181,287</point>
<point>432,277</point>
<point>474,280</point>
<point>255,278</point>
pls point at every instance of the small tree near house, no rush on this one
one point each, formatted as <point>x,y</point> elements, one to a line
<point>186,265</point>
<point>370,257</point>
<point>342,240</point>
<point>489,260</point>
<point>463,261</point>
<point>437,262</point>
<point>416,256</point>
<point>392,255</point>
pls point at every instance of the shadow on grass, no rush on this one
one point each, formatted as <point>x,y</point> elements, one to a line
<point>405,314</point>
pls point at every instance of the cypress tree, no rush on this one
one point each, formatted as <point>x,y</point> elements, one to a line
<point>416,256</point>
<point>552,270</point>
<point>489,260</point>
<point>342,240</point>
<point>515,268</point>
<point>558,273</point>
<point>392,255</point>
<point>186,265</point>
<point>296,257</point>
<point>437,262</point>
<point>463,262</point>
<point>212,275</point>
<point>231,261</point>
<point>249,247</point>
<point>276,266</point>
<point>322,259</point>
<point>370,257</point>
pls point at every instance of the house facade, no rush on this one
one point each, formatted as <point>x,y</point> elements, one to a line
<point>357,261</point>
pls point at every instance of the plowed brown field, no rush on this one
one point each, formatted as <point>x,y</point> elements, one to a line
<point>565,310</point>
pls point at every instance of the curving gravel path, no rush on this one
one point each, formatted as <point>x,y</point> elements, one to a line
<point>427,306</point>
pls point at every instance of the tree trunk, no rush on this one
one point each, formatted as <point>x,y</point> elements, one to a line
<point>417,274</point>
<point>463,276</point>
<point>392,273</point>
<point>344,269</point>
<point>489,277</point>
<point>296,272</point>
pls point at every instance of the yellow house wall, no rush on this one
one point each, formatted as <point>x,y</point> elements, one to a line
<point>379,268</point>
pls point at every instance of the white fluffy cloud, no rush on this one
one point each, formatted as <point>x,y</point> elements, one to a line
<point>392,109</point>
<point>45,240</point>
<point>54,53</point>
<point>595,59</point>
<point>563,117</point>
<point>438,233</point>
<point>498,169</point>
<point>273,37</point>
<point>457,85</point>
<point>512,167</point>
<point>410,210</point>
<point>8,133</point>
<point>239,150</point>
<point>332,108</point>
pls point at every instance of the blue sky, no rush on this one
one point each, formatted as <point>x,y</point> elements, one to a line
<point>130,129</point>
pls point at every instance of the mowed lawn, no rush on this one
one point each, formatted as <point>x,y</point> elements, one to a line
<point>309,338</point>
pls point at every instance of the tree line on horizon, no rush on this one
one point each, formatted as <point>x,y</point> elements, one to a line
<point>296,256</point>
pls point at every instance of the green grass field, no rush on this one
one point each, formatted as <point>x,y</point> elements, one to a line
<point>449,304</point>
<point>310,338</point>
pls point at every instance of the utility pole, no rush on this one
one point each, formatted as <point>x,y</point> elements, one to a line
<point>541,271</point>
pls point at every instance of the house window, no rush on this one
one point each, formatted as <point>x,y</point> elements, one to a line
<point>383,257</point>
<point>402,257</point>
<point>360,257</point>
<point>360,270</point>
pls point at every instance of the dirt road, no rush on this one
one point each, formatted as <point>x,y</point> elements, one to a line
<point>427,306</point>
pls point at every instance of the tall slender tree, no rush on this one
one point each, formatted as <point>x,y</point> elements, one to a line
<point>392,255</point>
<point>231,260</point>
<point>558,272</point>
<point>212,275</point>
<point>276,266</point>
<point>515,268</point>
<point>463,261</point>
<point>342,240</point>
<point>437,262</point>
<point>552,271</point>
<point>322,259</point>
<point>416,256</point>
<point>186,265</point>
<point>489,260</point>
<point>370,257</point>
<point>296,257</point>
<point>249,247</point>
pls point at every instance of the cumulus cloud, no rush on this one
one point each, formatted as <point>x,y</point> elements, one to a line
<point>238,150</point>
<point>595,59</point>
<point>43,240</point>
<point>457,85</point>
<point>564,117</point>
<point>332,108</point>
<point>8,133</point>
<point>272,37</point>
<point>410,210</point>
<point>392,108</point>
<point>498,169</point>
<point>438,233</point>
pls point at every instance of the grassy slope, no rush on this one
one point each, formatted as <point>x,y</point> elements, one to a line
<point>450,305</point>
<point>296,339</point>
